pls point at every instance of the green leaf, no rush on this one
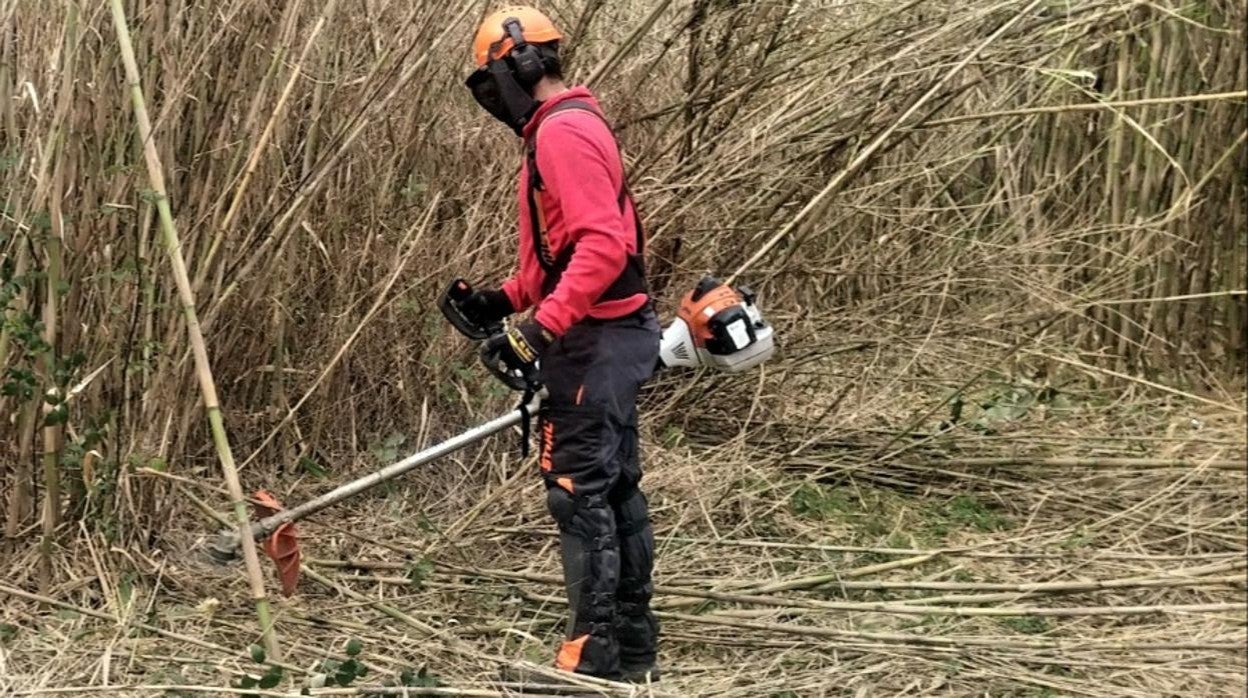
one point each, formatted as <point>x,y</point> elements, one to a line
<point>248,681</point>
<point>344,678</point>
<point>125,589</point>
<point>60,415</point>
<point>421,679</point>
<point>258,655</point>
<point>420,571</point>
<point>313,468</point>
<point>271,679</point>
<point>354,647</point>
<point>160,466</point>
<point>351,667</point>
<point>7,633</point>
<point>424,524</point>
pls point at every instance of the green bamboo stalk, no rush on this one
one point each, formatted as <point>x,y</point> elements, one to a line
<point>203,369</point>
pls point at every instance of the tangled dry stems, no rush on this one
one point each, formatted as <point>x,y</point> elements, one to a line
<point>1011,379</point>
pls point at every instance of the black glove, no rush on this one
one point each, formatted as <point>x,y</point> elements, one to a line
<point>488,307</point>
<point>517,350</point>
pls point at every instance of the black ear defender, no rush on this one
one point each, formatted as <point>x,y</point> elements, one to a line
<point>524,56</point>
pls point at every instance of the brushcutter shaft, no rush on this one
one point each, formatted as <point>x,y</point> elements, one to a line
<point>227,545</point>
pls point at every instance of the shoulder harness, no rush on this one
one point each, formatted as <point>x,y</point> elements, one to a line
<point>632,280</point>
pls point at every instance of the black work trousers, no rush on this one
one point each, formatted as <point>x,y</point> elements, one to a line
<point>591,464</point>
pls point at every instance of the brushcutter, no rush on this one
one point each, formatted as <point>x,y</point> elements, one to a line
<point>716,326</point>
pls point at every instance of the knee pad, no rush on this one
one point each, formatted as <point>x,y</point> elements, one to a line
<point>562,505</point>
<point>632,515</point>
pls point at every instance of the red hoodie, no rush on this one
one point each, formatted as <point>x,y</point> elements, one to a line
<point>582,176</point>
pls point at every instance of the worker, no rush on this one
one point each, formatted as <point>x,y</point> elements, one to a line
<point>592,340</point>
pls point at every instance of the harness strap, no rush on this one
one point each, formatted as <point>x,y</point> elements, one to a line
<point>526,420</point>
<point>632,278</point>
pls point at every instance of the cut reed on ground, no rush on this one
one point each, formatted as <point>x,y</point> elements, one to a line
<point>1002,448</point>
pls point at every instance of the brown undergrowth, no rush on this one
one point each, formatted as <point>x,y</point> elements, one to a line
<point>1001,449</point>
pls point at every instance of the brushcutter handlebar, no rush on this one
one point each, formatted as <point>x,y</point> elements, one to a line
<point>512,378</point>
<point>452,306</point>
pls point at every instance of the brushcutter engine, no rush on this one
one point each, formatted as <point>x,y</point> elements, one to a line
<point>719,327</point>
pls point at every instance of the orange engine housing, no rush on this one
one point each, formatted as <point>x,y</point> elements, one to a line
<point>701,304</point>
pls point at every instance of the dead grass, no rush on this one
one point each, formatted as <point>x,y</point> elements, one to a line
<point>1110,581</point>
<point>1004,251</point>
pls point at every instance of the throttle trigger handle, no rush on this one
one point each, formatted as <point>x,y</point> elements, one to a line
<point>451,305</point>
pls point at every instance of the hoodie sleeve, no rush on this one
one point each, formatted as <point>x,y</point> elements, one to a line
<point>578,157</point>
<point>515,293</point>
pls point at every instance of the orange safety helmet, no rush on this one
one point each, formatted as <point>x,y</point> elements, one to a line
<point>534,26</point>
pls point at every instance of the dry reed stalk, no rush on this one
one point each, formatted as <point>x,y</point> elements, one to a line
<point>1015,591</point>
<point>835,184</point>
<point>202,365</point>
<point>191,640</point>
<point>1232,465</point>
<point>164,689</point>
<point>1089,106</point>
<point>249,169</point>
<point>790,629</point>
<point>8,121</point>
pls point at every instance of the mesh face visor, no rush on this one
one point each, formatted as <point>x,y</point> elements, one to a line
<point>485,91</point>
<point>496,90</point>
